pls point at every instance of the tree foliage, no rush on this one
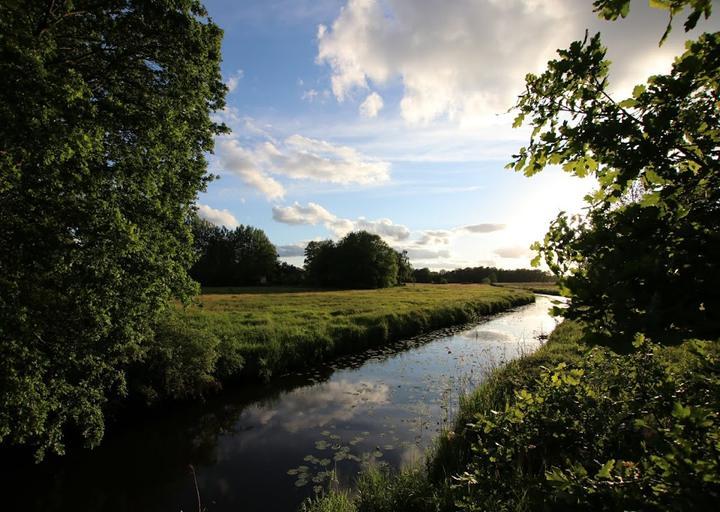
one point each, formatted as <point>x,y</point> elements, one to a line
<point>104,124</point>
<point>359,260</point>
<point>239,257</point>
<point>645,257</point>
<point>613,9</point>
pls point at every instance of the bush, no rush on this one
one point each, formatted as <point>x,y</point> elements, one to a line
<point>179,364</point>
<point>611,432</point>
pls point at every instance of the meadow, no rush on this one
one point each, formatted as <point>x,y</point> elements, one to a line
<point>232,334</point>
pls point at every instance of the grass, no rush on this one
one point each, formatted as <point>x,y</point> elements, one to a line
<point>232,334</point>
<point>546,288</point>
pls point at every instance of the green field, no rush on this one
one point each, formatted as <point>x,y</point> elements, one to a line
<point>258,333</point>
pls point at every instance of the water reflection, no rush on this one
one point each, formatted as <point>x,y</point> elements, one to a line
<point>318,405</point>
<point>268,447</point>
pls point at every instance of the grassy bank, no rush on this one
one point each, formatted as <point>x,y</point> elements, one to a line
<point>546,288</point>
<point>233,334</point>
<point>570,427</point>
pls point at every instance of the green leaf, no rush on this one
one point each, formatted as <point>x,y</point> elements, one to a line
<point>628,103</point>
<point>638,90</point>
<point>680,412</point>
<point>606,469</point>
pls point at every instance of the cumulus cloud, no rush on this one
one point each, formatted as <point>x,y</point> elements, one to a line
<point>371,106</point>
<point>244,163</point>
<point>439,244</point>
<point>217,217</point>
<point>467,58</point>
<point>298,158</point>
<point>435,237</point>
<point>319,160</point>
<point>314,214</point>
<point>512,252</point>
<point>290,250</point>
<point>383,227</point>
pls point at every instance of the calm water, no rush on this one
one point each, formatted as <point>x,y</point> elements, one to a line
<point>269,447</point>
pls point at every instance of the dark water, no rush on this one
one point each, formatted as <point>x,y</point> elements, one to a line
<point>269,447</point>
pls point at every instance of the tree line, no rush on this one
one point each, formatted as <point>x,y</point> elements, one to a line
<point>485,275</point>
<point>244,256</point>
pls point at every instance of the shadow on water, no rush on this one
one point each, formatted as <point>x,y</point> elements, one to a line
<point>269,447</point>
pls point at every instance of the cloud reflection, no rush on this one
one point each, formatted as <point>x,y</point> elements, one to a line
<point>319,405</point>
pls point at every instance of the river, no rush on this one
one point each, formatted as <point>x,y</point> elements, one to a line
<point>266,448</point>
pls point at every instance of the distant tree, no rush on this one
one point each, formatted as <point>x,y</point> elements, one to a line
<point>491,275</point>
<point>364,260</point>
<point>254,256</point>
<point>214,254</point>
<point>359,260</point>
<point>405,270</point>
<point>288,275</point>
<point>104,128</point>
<point>239,257</point>
<point>646,258</point>
<point>423,275</point>
<point>320,263</point>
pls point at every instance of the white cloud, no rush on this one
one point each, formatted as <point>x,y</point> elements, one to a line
<point>297,214</point>
<point>217,217</point>
<point>303,157</point>
<point>435,237</point>
<point>467,58</point>
<point>417,253</point>
<point>314,214</point>
<point>483,228</point>
<point>383,227</point>
<point>291,250</point>
<point>371,106</point>
<point>443,236</point>
<point>234,158</point>
<point>234,80</point>
<point>299,158</point>
<point>514,252</point>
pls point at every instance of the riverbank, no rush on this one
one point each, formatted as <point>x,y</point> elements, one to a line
<point>233,335</point>
<point>570,427</point>
<point>544,288</point>
<point>385,405</point>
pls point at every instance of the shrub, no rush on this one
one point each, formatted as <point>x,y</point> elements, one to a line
<point>179,364</point>
<point>611,432</point>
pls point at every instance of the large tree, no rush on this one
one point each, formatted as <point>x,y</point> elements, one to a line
<point>358,260</point>
<point>646,257</point>
<point>104,127</point>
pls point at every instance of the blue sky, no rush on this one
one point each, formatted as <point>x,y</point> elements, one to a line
<point>388,115</point>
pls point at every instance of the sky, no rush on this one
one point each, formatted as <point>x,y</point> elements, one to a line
<point>392,116</point>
